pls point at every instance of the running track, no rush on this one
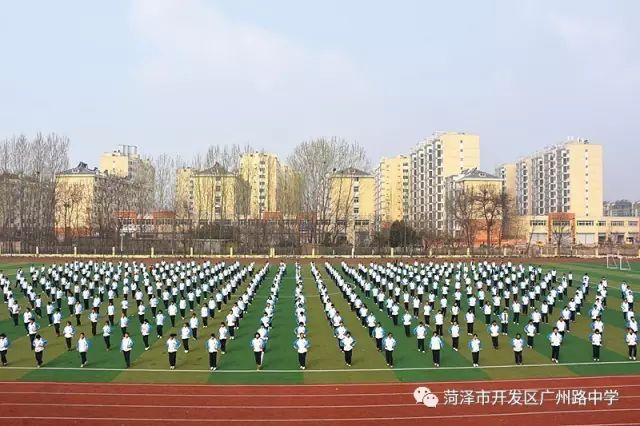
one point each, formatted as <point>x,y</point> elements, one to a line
<point>102,403</point>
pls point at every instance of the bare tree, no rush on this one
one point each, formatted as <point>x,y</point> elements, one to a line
<point>461,208</point>
<point>315,161</point>
<point>488,200</point>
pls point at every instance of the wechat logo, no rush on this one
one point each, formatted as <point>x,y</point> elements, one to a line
<point>423,395</point>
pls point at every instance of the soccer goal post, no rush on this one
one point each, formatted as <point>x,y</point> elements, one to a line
<point>616,261</point>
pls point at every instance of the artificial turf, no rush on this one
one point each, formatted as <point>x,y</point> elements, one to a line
<point>325,360</point>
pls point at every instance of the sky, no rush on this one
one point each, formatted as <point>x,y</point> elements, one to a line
<point>178,76</point>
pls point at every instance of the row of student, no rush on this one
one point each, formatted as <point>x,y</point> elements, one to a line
<point>568,313</point>
<point>259,343</point>
<point>346,342</point>
<point>495,331</point>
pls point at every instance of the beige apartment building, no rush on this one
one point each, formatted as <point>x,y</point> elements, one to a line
<point>352,203</point>
<point>261,172</point>
<point>562,178</point>
<point>570,229</point>
<point>391,190</point>
<point>208,195</point>
<point>441,155</point>
<point>125,162</point>
<point>75,191</point>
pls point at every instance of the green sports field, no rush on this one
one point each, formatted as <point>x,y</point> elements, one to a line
<point>325,363</point>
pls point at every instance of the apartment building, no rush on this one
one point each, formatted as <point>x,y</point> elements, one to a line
<point>352,202</point>
<point>208,195</point>
<point>441,155</point>
<point>125,162</point>
<point>75,192</point>
<point>391,190</point>
<point>261,172</point>
<point>562,178</point>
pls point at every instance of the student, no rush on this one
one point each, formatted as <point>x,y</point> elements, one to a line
<point>406,321</point>
<point>173,311</point>
<point>39,344</point>
<point>223,334</point>
<point>378,334</point>
<point>185,334</point>
<point>631,338</point>
<point>4,347</point>
<point>302,347</point>
<point>57,319</point>
<point>204,315</point>
<point>596,343</point>
<point>436,344</point>
<point>504,323</point>
<point>68,333</point>
<point>475,347</point>
<point>159,323</point>
<point>347,343</point>
<point>193,324</point>
<point>556,339</point>
<point>494,332</point>
<point>389,345</point>
<point>454,330</point>
<point>421,333</point>
<point>145,330</point>
<point>212,345</point>
<point>124,322</point>
<point>172,348</point>
<point>518,345</point>
<point>32,329</point>
<point>439,319</point>
<point>470,318</point>
<point>83,347</point>
<point>125,346</point>
<point>106,334</point>
<point>530,330</point>
<point>257,344</point>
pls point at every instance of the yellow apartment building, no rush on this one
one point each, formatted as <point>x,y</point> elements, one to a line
<point>261,172</point>
<point>571,229</point>
<point>352,203</point>
<point>74,200</point>
<point>208,195</point>
<point>562,178</point>
<point>441,155</point>
<point>124,162</point>
<point>391,190</point>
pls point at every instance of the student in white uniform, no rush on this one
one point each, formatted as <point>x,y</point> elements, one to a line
<point>518,345</point>
<point>212,345</point>
<point>106,335</point>
<point>257,345</point>
<point>475,346</point>
<point>145,330</point>
<point>302,347</point>
<point>39,345</point>
<point>436,344</point>
<point>4,347</point>
<point>596,343</point>
<point>68,332</point>
<point>556,340</point>
<point>454,330</point>
<point>347,343</point>
<point>389,345</point>
<point>172,349</point>
<point>83,347</point>
<point>631,339</point>
<point>125,347</point>
<point>185,334</point>
<point>421,334</point>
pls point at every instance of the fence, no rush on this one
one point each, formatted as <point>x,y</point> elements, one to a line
<point>204,247</point>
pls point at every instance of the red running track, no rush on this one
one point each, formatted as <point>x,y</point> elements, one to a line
<point>140,404</point>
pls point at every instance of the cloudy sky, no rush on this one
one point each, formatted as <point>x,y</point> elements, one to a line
<point>182,75</point>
